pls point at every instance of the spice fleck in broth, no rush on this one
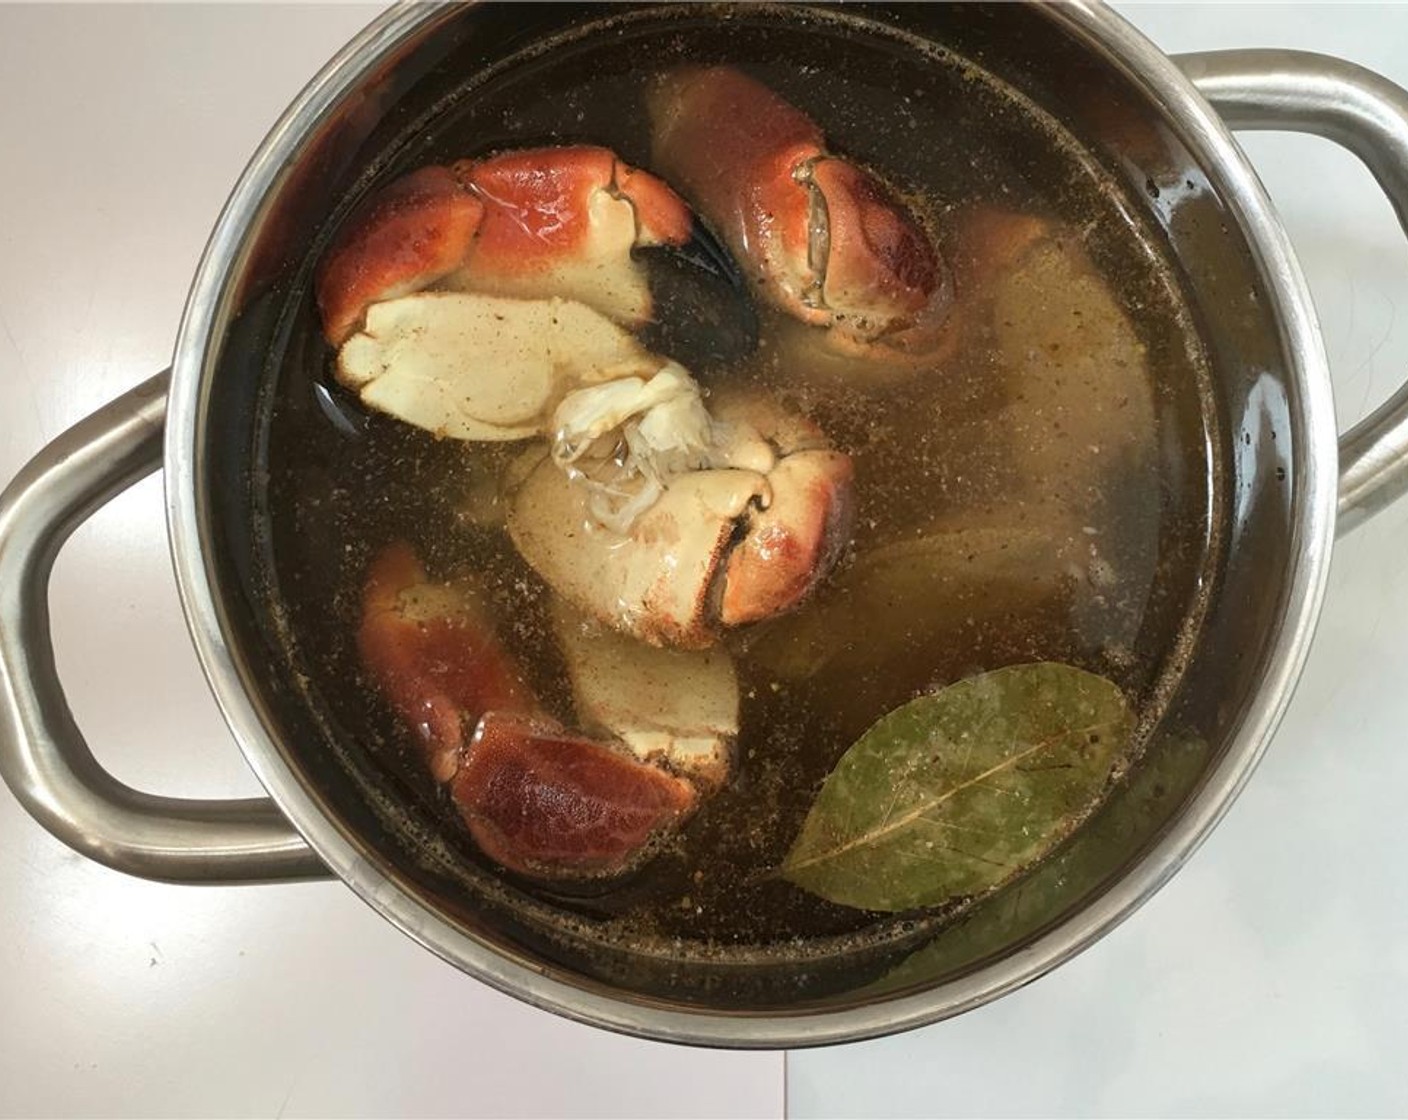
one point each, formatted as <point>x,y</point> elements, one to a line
<point>1038,494</point>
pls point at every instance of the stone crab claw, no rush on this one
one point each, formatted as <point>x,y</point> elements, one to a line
<point>533,223</point>
<point>537,798</point>
<point>825,240</point>
<point>742,535</point>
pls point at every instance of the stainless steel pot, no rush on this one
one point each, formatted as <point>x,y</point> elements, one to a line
<point>1284,493</point>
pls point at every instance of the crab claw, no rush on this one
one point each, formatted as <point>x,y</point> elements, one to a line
<point>534,224</point>
<point>742,539</point>
<point>540,800</point>
<point>825,240</point>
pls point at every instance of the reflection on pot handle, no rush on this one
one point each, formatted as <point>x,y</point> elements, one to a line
<point>43,756</point>
<point>1297,91</point>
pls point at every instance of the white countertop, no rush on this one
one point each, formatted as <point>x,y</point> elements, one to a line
<point>1270,977</point>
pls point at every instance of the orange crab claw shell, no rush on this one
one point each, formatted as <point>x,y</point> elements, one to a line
<point>824,240</point>
<point>553,806</point>
<point>732,146</point>
<point>414,232</point>
<point>792,543</point>
<point>881,265</point>
<point>541,198</point>
<point>563,222</point>
<point>434,656</point>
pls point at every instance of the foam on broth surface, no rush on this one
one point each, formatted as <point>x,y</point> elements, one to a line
<point>1043,496</point>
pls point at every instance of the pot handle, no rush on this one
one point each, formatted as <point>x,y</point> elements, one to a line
<point>43,756</point>
<point>1299,91</point>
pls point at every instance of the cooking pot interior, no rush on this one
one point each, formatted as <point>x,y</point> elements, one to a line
<point>266,370</point>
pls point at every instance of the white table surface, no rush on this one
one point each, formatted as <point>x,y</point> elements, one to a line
<point>1271,977</point>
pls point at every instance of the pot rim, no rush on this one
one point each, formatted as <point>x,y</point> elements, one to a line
<point>1314,495</point>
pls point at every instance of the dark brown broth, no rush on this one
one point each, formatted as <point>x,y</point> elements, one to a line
<point>985,457</point>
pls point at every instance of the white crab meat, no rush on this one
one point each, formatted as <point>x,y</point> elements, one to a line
<point>624,440</point>
<point>478,367</point>
<point>673,707</point>
<point>667,412</point>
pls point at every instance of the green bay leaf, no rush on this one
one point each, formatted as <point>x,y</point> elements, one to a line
<point>1128,817</point>
<point>956,792</point>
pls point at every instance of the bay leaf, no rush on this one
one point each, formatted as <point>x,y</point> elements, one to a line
<point>956,792</point>
<point>1133,813</point>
